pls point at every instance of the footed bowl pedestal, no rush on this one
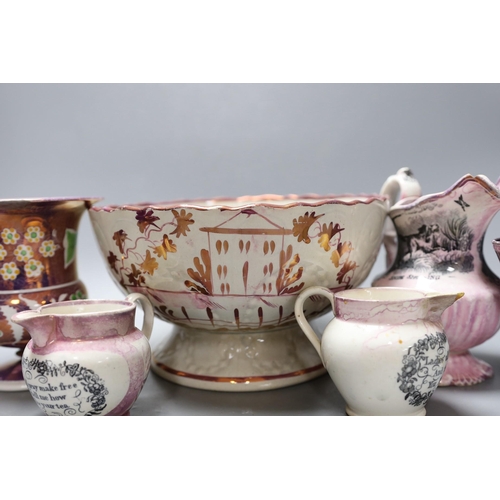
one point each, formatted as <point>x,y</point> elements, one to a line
<point>236,361</point>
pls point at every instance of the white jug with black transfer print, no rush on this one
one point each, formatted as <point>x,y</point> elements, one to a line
<point>385,349</point>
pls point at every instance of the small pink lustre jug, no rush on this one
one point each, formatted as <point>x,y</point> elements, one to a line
<point>86,357</point>
<point>385,348</point>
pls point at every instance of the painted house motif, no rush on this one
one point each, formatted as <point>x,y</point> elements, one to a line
<point>232,271</point>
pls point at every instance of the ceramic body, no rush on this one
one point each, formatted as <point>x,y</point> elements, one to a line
<point>385,349</point>
<point>439,246</point>
<point>86,357</point>
<point>227,272</point>
<point>37,266</point>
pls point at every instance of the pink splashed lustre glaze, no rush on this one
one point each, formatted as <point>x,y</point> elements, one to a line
<point>385,350</point>
<point>86,357</point>
<point>38,238</point>
<point>440,247</point>
<point>226,273</point>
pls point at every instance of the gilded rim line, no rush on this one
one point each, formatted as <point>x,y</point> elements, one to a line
<point>235,380</point>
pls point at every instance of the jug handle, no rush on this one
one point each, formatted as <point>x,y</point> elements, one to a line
<point>402,185</point>
<point>405,186</point>
<point>147,324</point>
<point>301,317</point>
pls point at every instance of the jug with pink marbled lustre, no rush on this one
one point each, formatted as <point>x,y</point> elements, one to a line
<point>439,246</point>
<point>385,348</point>
<point>86,357</point>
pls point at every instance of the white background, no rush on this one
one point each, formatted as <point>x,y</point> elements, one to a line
<point>132,143</point>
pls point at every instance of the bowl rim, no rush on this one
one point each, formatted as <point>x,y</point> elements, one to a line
<point>251,201</point>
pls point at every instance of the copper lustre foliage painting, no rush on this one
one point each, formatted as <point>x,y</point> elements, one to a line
<point>230,267</point>
<point>228,243</point>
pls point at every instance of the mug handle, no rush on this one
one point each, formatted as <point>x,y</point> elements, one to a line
<point>147,324</point>
<point>301,317</point>
<point>404,186</point>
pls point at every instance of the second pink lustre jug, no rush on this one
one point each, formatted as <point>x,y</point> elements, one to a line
<point>439,246</point>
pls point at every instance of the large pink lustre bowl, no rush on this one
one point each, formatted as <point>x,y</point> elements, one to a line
<point>232,268</point>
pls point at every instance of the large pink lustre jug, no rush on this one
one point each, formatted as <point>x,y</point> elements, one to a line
<point>438,245</point>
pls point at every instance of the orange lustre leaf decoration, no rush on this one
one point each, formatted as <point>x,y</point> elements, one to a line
<point>146,218</point>
<point>112,260</point>
<point>149,265</point>
<point>120,237</point>
<point>348,266</point>
<point>302,225</point>
<point>166,246</point>
<point>202,275</point>
<point>183,221</point>
<point>135,277</point>
<point>285,276</point>
<point>327,233</point>
<point>341,249</point>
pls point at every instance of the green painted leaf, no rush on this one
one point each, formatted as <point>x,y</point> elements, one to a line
<point>69,244</point>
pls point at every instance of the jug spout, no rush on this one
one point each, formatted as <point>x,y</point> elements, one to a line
<point>39,326</point>
<point>438,302</point>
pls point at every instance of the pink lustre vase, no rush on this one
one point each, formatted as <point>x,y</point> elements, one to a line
<point>439,240</point>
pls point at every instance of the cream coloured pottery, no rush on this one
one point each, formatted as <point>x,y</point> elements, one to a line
<point>385,349</point>
<point>86,357</point>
